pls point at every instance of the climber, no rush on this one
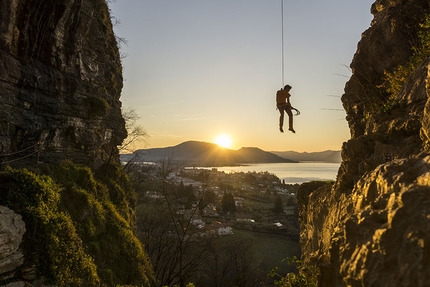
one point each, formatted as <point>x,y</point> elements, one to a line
<point>283,104</point>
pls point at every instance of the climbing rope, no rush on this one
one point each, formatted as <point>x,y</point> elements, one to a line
<point>282,37</point>
<point>36,150</point>
<point>297,112</point>
<point>20,151</point>
<point>17,159</point>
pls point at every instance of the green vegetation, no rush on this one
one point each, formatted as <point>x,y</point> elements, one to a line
<point>183,238</point>
<point>60,255</point>
<point>77,234</point>
<point>395,80</point>
<point>227,203</point>
<point>307,276</point>
<point>98,106</point>
<point>270,249</point>
<point>278,205</point>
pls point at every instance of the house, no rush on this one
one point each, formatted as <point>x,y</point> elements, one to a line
<point>210,210</point>
<point>238,202</point>
<point>171,175</point>
<point>217,191</point>
<point>242,217</point>
<point>209,231</point>
<point>217,228</point>
<point>222,228</point>
<point>281,190</point>
<point>280,226</point>
<point>154,194</point>
<point>197,220</point>
<point>289,210</point>
<point>188,213</point>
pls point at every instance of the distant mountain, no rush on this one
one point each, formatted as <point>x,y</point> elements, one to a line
<point>323,156</point>
<point>205,154</point>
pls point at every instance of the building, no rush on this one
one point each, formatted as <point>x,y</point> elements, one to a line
<point>217,228</point>
<point>242,217</point>
<point>154,194</point>
<point>289,210</point>
<point>210,210</point>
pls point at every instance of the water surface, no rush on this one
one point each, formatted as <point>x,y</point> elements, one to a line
<point>291,172</point>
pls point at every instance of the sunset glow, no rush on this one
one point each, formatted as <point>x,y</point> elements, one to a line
<point>190,76</point>
<point>223,141</point>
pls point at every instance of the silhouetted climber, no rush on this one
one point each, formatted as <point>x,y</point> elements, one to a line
<point>283,104</point>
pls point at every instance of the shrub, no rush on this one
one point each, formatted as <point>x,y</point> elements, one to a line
<point>75,234</point>
<point>60,255</point>
<point>101,210</point>
<point>395,80</point>
<point>307,276</point>
<point>98,106</point>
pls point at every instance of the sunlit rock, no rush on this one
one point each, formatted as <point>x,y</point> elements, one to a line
<point>372,228</point>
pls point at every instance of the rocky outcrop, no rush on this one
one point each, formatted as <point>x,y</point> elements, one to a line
<point>60,82</point>
<point>372,227</point>
<point>12,229</point>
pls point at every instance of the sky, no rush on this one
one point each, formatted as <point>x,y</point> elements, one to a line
<point>198,69</point>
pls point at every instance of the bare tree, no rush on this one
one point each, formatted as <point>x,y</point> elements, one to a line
<point>171,239</point>
<point>136,134</point>
<point>231,263</point>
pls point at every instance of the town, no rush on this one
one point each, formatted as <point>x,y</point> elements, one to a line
<point>196,218</point>
<point>215,201</point>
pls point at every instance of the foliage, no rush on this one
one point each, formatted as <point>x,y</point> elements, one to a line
<point>208,197</point>
<point>278,205</point>
<point>60,255</point>
<point>98,106</point>
<point>307,276</point>
<point>104,221</point>
<point>121,192</point>
<point>185,195</point>
<point>227,203</point>
<point>81,238</point>
<point>395,80</point>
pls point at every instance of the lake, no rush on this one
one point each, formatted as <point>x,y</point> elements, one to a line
<point>291,172</point>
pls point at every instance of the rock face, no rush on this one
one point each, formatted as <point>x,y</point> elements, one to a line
<point>12,228</point>
<point>60,82</point>
<point>372,228</point>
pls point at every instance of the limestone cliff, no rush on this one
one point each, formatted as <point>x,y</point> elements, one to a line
<point>372,228</point>
<point>60,82</point>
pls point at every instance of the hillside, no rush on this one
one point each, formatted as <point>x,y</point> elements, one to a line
<point>205,154</point>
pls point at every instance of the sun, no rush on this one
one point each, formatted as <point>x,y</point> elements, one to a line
<point>223,141</point>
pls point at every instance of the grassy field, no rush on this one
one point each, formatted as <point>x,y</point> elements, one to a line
<point>270,250</point>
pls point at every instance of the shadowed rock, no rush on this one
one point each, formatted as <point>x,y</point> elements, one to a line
<point>60,82</point>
